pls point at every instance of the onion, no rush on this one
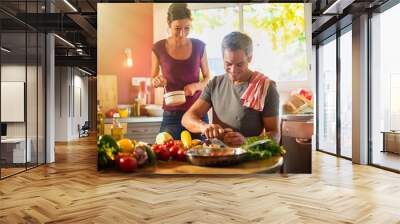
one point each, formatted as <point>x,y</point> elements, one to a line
<point>141,155</point>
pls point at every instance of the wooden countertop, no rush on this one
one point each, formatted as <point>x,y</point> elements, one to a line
<point>271,165</point>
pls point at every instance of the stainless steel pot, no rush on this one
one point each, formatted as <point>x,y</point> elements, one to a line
<point>206,157</point>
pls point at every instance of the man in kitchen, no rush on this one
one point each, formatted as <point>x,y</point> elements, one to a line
<point>245,103</point>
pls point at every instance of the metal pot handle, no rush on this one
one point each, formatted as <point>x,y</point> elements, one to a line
<point>303,141</point>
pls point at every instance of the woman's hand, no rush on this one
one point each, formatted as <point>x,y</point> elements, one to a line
<point>190,89</point>
<point>233,139</point>
<point>159,81</point>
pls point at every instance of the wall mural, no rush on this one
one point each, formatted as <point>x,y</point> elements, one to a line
<point>195,75</point>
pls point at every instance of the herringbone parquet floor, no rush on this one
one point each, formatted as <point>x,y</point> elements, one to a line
<point>72,191</point>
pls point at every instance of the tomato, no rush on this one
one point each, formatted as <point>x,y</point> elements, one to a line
<point>174,151</point>
<point>163,147</point>
<point>127,163</point>
<point>169,144</point>
<point>178,143</point>
<point>163,154</point>
<point>306,94</point>
<point>181,155</point>
<point>157,148</point>
<point>110,113</point>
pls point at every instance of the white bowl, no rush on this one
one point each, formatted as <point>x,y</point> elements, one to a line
<point>175,98</point>
<point>154,110</point>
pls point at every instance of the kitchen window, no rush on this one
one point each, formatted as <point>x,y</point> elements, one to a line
<point>385,89</point>
<point>218,22</point>
<point>23,77</point>
<point>327,94</point>
<point>346,93</point>
<point>277,30</point>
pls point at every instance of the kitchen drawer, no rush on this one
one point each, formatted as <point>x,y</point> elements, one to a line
<point>146,132</point>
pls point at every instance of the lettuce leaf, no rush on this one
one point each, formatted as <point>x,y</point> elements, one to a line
<point>263,150</point>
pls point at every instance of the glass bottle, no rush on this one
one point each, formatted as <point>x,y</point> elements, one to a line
<point>142,95</point>
<point>136,107</point>
<point>116,129</point>
<point>100,121</point>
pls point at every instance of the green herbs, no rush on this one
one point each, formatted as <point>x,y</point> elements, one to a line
<point>107,148</point>
<point>262,147</point>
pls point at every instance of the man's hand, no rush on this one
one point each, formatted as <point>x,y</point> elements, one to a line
<point>159,81</point>
<point>190,89</point>
<point>212,131</point>
<point>233,139</point>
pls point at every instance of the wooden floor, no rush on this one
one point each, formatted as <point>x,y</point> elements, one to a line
<point>72,191</point>
<point>5,172</point>
<point>387,159</point>
<point>10,171</point>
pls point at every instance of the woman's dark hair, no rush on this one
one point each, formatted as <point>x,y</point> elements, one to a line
<point>178,11</point>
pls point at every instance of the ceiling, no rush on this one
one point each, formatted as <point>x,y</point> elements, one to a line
<point>332,15</point>
<point>76,22</point>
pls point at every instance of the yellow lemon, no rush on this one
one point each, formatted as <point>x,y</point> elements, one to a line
<point>186,139</point>
<point>163,137</point>
<point>126,145</point>
<point>196,142</point>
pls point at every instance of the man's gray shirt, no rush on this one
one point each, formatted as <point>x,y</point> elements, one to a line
<point>228,108</point>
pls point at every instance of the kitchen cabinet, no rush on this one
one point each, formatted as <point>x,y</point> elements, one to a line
<point>296,138</point>
<point>138,128</point>
<point>145,132</point>
<point>391,141</point>
<point>107,91</point>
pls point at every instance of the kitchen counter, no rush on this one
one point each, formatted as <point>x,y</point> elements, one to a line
<point>271,165</point>
<point>298,117</point>
<point>142,128</point>
<point>141,119</point>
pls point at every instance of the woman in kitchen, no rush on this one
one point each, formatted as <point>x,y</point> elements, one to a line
<point>180,60</point>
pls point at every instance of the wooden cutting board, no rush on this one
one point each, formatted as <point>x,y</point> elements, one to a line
<point>107,91</point>
<point>271,165</point>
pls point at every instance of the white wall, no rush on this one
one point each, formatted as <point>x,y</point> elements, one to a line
<point>71,93</point>
<point>33,127</point>
<point>314,90</point>
<point>12,73</point>
<point>61,103</point>
<point>80,100</point>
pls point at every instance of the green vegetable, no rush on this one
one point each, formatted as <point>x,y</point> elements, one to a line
<point>152,159</point>
<point>103,140</point>
<point>110,153</point>
<point>101,161</point>
<point>107,148</point>
<point>264,149</point>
